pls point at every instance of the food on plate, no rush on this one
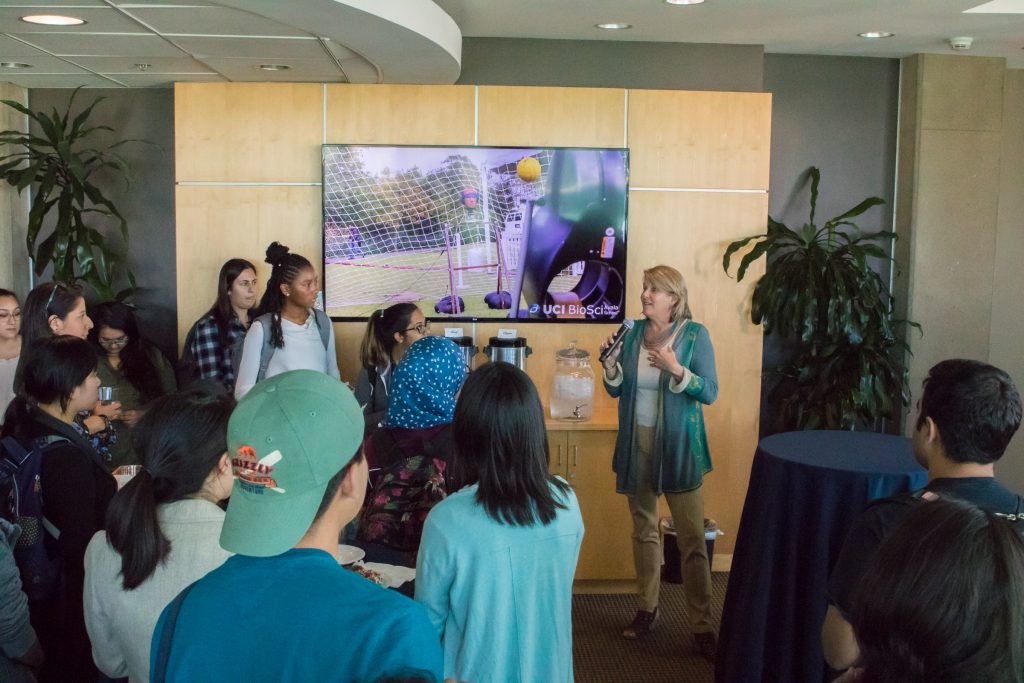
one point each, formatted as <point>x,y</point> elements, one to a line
<point>368,574</point>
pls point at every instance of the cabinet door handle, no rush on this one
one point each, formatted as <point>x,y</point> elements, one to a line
<point>575,455</point>
<point>559,454</point>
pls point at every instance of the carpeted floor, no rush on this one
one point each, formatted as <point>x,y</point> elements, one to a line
<point>602,655</point>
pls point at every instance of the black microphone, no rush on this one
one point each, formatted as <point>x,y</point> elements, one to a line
<point>620,334</point>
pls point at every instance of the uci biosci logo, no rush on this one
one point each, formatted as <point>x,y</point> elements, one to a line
<point>590,310</point>
<point>254,474</point>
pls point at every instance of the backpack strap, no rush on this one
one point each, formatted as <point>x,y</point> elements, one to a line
<point>323,322</point>
<point>163,653</point>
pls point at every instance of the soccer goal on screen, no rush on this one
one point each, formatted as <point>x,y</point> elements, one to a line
<point>444,237</point>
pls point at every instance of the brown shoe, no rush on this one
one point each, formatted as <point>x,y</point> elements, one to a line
<point>642,624</point>
<point>707,645</point>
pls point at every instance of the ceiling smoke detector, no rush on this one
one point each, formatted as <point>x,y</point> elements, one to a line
<point>961,42</point>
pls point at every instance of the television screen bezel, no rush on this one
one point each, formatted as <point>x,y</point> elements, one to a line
<point>432,315</point>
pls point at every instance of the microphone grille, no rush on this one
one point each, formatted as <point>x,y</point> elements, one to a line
<point>628,324</point>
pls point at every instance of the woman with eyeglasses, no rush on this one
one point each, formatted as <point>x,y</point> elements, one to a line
<point>389,334</point>
<point>289,332</point>
<point>55,309</point>
<point>133,368</point>
<point>10,346</point>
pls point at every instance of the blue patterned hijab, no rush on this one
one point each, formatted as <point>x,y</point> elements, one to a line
<point>425,383</point>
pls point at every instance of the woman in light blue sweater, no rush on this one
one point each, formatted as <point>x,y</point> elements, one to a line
<point>497,559</point>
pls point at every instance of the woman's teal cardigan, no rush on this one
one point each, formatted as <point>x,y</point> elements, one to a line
<point>680,458</point>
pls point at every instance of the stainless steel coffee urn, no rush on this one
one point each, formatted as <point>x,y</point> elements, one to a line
<point>467,348</point>
<point>512,351</point>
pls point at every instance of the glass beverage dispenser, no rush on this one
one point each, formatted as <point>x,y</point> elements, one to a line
<point>572,386</point>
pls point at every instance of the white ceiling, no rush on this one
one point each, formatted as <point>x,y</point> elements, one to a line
<point>419,41</point>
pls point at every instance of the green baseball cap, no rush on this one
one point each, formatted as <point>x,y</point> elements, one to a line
<point>286,438</point>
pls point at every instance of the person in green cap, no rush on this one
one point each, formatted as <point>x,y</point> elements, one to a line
<point>283,608</point>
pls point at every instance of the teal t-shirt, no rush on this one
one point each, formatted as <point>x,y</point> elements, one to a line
<point>296,617</point>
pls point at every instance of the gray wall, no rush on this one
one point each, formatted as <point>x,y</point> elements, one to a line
<point>611,64</point>
<point>839,114</point>
<point>148,204</point>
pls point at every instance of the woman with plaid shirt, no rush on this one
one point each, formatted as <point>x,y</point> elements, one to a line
<point>209,352</point>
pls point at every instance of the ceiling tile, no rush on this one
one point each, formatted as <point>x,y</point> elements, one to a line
<point>252,48</point>
<point>205,21</point>
<point>9,47</point>
<point>322,70</point>
<point>99,20</point>
<point>55,6</point>
<point>149,80</point>
<point>126,65</point>
<point>61,81</point>
<point>41,64</point>
<point>103,45</point>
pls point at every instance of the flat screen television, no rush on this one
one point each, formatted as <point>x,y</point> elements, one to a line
<point>476,233</point>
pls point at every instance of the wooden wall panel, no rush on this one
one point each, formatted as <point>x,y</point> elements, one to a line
<point>690,232</point>
<point>400,114</point>
<point>248,132</point>
<point>562,117</point>
<point>699,139</point>
<point>218,223</point>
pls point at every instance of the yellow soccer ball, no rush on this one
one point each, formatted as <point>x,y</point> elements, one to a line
<point>528,169</point>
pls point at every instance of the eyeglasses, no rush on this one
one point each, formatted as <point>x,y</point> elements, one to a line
<point>4,315</point>
<point>120,341</point>
<point>421,328</point>
<point>56,286</point>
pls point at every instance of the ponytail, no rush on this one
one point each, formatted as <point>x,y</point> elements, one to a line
<point>180,441</point>
<point>379,339</point>
<point>133,530</point>
<point>286,268</point>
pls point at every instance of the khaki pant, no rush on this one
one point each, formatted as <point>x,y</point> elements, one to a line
<point>688,513</point>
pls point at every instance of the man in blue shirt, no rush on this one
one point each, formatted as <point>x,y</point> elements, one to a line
<point>283,608</point>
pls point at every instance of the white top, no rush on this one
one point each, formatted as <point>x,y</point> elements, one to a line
<point>7,368</point>
<point>121,623</point>
<point>303,350</point>
<point>647,378</point>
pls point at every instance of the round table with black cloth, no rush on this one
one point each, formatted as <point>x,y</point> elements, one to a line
<point>806,490</point>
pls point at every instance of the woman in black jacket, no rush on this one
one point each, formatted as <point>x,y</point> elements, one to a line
<point>60,380</point>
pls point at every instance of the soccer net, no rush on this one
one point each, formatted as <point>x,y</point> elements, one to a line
<point>419,232</point>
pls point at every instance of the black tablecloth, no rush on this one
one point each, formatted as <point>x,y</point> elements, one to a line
<point>806,490</point>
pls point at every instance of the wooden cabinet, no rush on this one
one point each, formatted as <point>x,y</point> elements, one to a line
<point>583,457</point>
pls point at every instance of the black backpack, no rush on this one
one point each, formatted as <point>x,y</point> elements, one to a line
<point>22,494</point>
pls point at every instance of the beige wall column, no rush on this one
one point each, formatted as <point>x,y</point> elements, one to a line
<point>1006,337</point>
<point>958,215</point>
<point>13,207</point>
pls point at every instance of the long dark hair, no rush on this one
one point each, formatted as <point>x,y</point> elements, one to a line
<point>940,600</point>
<point>286,268</point>
<point>55,368</point>
<point>136,356</point>
<point>221,311</point>
<point>379,338</point>
<point>49,298</point>
<point>501,444</point>
<point>179,440</point>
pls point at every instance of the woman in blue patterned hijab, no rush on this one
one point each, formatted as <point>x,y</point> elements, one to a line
<point>425,384</point>
<point>409,459</point>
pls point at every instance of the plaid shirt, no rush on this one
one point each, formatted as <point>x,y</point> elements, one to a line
<point>212,359</point>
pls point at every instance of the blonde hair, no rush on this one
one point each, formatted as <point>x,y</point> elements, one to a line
<point>668,279</point>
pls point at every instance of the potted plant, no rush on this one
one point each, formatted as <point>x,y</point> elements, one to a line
<point>820,292</point>
<point>60,163</point>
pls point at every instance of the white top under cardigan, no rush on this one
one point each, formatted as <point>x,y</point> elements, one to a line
<point>120,622</point>
<point>647,378</point>
<point>303,350</point>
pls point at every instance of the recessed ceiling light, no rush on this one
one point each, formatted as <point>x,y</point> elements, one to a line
<point>273,67</point>
<point>683,2</point>
<point>52,20</point>
<point>876,34</point>
<point>614,25</point>
<point>14,65</point>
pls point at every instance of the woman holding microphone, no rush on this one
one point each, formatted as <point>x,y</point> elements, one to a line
<point>662,374</point>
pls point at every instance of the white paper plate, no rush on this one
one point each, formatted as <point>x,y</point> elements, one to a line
<point>350,554</point>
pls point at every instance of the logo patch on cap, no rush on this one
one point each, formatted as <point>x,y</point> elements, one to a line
<point>254,474</point>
